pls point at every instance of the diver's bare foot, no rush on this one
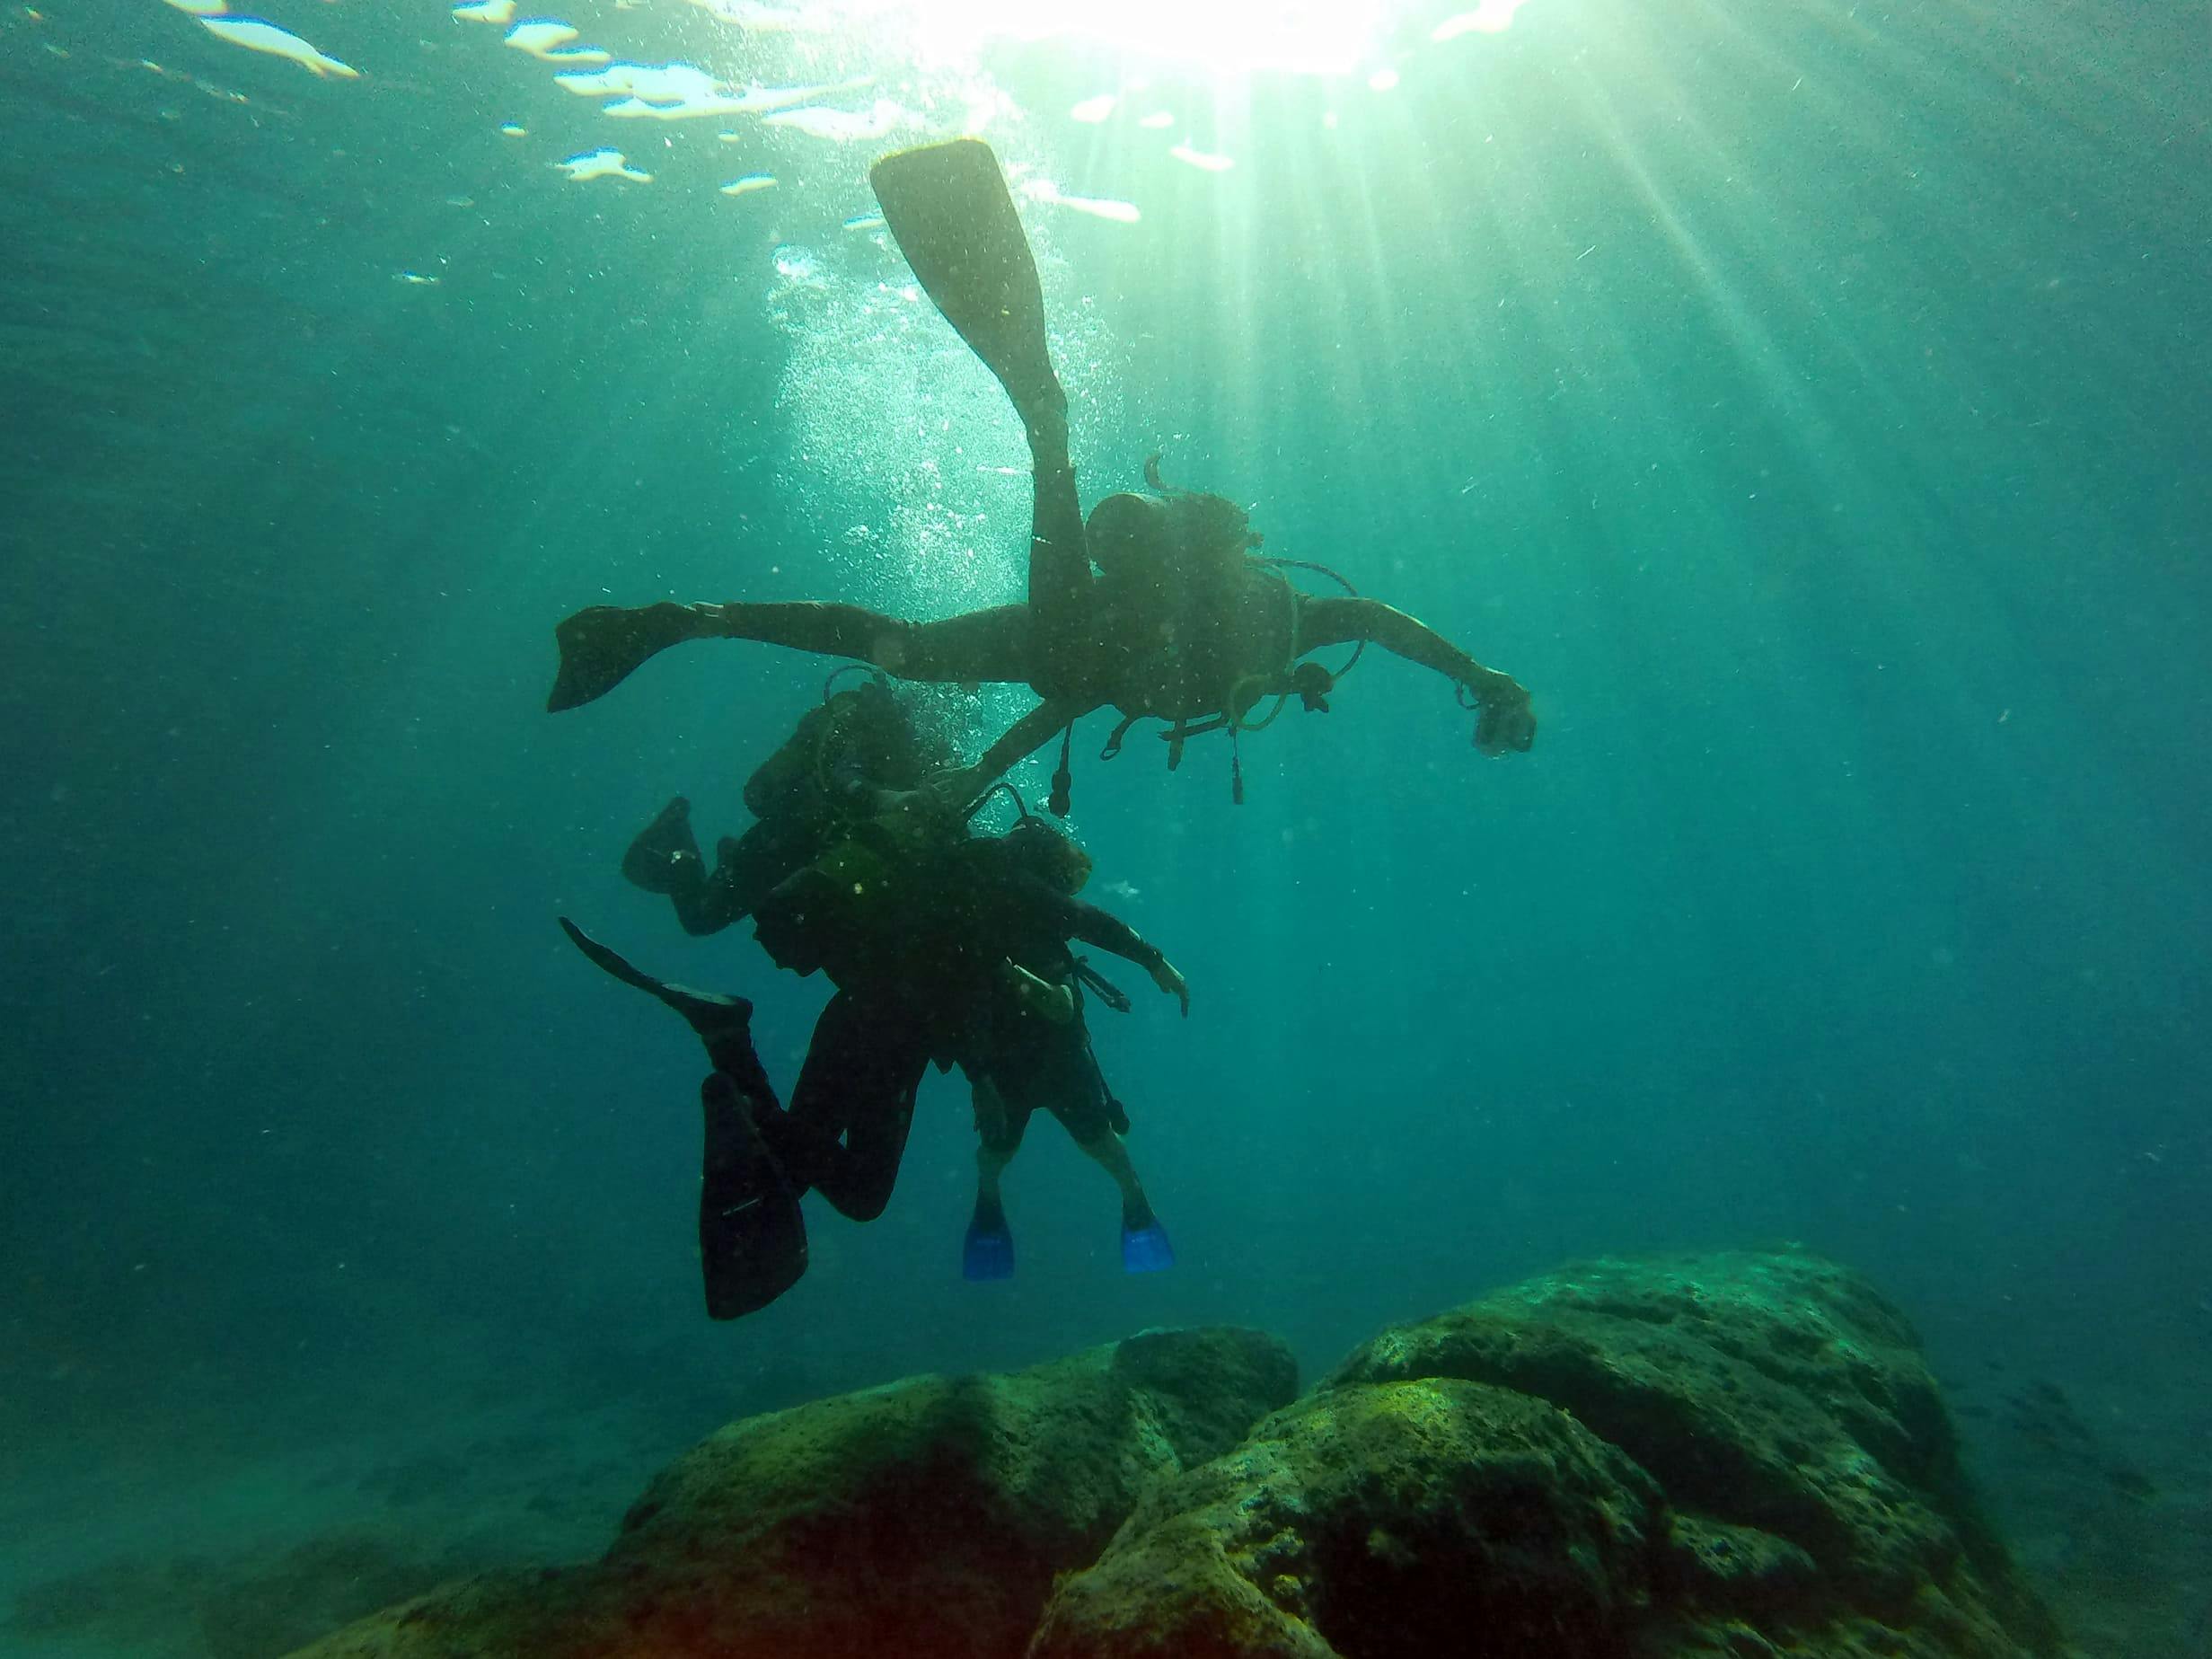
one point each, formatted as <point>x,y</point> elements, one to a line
<point>602,646</point>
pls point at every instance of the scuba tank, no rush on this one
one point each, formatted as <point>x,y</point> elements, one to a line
<point>1192,667</point>
<point>827,914</point>
<point>823,914</point>
<point>860,734</point>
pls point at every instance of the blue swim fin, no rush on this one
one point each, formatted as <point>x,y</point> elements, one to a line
<point>988,1252</point>
<point>1146,1249</point>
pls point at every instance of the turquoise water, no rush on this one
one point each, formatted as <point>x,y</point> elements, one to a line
<point>1808,404</point>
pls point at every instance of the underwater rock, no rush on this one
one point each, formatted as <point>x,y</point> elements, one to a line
<point>1726,1454</point>
<point>1429,1517</point>
<point>1703,1457</point>
<point>927,1516</point>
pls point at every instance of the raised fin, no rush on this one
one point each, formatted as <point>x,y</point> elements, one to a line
<point>948,207</point>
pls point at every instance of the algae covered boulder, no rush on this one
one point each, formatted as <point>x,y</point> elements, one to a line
<point>930,1515</point>
<point>1726,1454</point>
<point>1737,1455</point>
<point>1418,1513</point>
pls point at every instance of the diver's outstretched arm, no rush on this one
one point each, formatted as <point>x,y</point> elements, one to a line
<point>1073,918</point>
<point>951,796</point>
<point>602,646</point>
<point>1505,720</point>
<point>960,789</point>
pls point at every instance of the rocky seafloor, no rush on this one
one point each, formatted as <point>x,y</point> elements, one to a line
<point>1731,1454</point>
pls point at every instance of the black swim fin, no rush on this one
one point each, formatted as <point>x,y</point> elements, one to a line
<point>723,1023</point>
<point>751,1233</point>
<point>948,207</point>
<point>666,858</point>
<point>603,644</point>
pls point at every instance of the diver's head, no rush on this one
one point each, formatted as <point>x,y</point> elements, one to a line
<point>889,735</point>
<point>1203,526</point>
<point>1056,859</point>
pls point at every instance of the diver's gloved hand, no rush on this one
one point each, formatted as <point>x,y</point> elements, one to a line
<point>1164,976</point>
<point>1504,723</point>
<point>955,790</point>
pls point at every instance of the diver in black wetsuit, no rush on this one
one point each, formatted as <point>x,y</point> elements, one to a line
<point>1178,622</point>
<point>1023,1042</point>
<point>1029,1046</point>
<point>858,741</point>
<point>954,952</point>
<point>752,1238</point>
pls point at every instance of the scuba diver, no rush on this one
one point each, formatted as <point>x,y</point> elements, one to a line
<point>752,1236</point>
<point>1158,608</point>
<point>947,947</point>
<point>956,951</point>
<point>1042,1056</point>
<point>854,743</point>
<point>1025,1043</point>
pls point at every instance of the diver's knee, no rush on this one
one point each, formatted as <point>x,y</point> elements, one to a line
<point>898,646</point>
<point>865,1206</point>
<point>1065,682</point>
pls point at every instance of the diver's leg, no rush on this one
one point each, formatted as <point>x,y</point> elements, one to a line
<point>747,869</point>
<point>1145,1248</point>
<point>666,858</point>
<point>858,1081</point>
<point>1106,1150</point>
<point>1079,1097</point>
<point>752,1236</point>
<point>948,207</point>
<point>875,1139</point>
<point>1059,578</point>
<point>987,1252</point>
<point>602,646</point>
<point>990,644</point>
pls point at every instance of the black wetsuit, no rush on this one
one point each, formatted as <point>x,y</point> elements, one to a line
<point>802,797</point>
<point>921,975</point>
